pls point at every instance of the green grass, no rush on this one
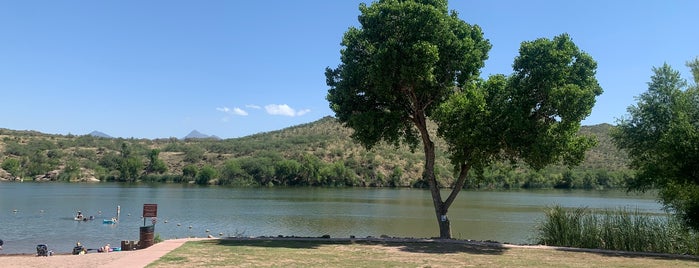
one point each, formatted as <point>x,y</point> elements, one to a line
<point>616,230</point>
<point>284,253</point>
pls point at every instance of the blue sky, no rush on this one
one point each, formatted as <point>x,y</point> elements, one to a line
<point>158,69</point>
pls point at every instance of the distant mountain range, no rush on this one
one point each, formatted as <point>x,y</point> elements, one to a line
<point>192,135</point>
<point>198,135</point>
<point>99,134</point>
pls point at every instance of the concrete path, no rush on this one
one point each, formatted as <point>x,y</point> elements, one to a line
<point>136,258</point>
<point>143,257</point>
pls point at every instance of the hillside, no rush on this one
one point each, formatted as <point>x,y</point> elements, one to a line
<point>317,153</point>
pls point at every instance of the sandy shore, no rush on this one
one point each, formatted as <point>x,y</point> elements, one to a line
<point>137,258</point>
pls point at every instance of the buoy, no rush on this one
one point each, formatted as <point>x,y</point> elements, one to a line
<point>207,230</point>
<point>220,234</point>
<point>179,224</point>
<point>165,221</point>
<point>190,227</point>
<point>15,211</point>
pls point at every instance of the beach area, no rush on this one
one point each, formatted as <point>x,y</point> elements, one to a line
<point>136,258</point>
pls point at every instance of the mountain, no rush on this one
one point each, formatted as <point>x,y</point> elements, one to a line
<point>198,135</point>
<point>99,134</point>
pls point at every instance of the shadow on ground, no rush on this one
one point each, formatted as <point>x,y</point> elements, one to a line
<point>432,247</point>
<point>440,247</point>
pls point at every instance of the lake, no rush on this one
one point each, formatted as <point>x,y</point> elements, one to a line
<point>42,213</point>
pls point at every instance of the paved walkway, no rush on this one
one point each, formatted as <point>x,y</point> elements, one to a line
<point>136,258</point>
<point>143,257</point>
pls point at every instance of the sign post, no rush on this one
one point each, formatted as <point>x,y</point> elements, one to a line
<point>147,235</point>
<point>149,210</point>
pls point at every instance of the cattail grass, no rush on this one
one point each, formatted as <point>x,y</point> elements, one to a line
<point>618,229</point>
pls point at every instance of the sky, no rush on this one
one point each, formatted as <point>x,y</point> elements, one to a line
<point>160,69</point>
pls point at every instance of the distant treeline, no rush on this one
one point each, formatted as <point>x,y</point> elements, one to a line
<point>315,154</point>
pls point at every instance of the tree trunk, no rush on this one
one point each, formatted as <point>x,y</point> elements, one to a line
<point>444,223</point>
<point>440,208</point>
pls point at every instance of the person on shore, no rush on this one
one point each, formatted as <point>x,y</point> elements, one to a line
<point>106,248</point>
<point>79,249</point>
<point>1,243</point>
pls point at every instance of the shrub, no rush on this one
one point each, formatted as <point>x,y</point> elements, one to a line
<point>616,230</point>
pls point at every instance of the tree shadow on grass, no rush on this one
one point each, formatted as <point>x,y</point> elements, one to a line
<point>278,243</point>
<point>441,247</point>
<point>418,246</point>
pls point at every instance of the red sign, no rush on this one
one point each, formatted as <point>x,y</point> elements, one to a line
<point>150,210</point>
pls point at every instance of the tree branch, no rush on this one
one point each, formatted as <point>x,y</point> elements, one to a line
<point>463,174</point>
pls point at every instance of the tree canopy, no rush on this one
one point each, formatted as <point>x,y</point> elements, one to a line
<point>414,61</point>
<point>661,135</point>
<point>401,64</point>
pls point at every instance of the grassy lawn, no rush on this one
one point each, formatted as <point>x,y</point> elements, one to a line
<point>266,253</point>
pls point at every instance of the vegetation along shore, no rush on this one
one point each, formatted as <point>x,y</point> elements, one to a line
<point>320,153</point>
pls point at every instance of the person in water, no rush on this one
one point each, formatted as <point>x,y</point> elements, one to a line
<point>79,216</point>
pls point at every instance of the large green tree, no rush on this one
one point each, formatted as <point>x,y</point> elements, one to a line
<point>413,61</point>
<point>661,136</point>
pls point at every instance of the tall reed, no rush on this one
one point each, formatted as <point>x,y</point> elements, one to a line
<point>618,229</point>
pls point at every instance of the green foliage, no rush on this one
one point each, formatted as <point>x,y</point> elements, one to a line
<point>193,154</point>
<point>157,239</point>
<point>14,148</point>
<point>260,169</point>
<point>287,171</point>
<point>314,146</point>
<point>661,136</point>
<point>205,175</point>
<point>130,168</point>
<point>110,161</point>
<point>189,171</point>
<point>71,172</point>
<point>11,165</point>
<point>403,61</point>
<point>616,230</point>
<point>155,165</point>
<point>337,174</point>
<point>413,61</point>
<point>406,59</point>
<point>38,163</point>
<point>533,115</point>
<point>233,174</point>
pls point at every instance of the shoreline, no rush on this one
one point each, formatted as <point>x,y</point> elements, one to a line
<point>144,257</point>
<point>370,239</point>
<point>132,258</point>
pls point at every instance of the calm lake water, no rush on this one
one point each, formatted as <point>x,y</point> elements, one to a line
<point>42,213</point>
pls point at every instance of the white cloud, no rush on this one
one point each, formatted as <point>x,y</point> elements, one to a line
<point>239,111</point>
<point>253,106</point>
<point>285,110</point>
<point>234,111</point>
